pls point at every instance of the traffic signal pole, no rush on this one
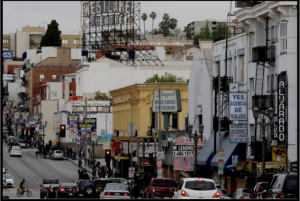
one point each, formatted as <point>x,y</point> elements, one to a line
<point>85,146</point>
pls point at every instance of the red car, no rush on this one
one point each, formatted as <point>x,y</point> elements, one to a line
<point>258,189</point>
<point>160,188</point>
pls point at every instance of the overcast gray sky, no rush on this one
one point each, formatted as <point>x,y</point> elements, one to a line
<point>17,14</point>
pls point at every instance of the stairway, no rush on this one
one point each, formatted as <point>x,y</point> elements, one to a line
<point>100,54</point>
<point>259,81</point>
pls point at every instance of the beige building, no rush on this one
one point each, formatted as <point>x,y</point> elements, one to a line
<point>159,39</point>
<point>30,38</point>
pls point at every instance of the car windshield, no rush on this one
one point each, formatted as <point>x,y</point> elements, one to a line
<point>291,183</point>
<point>86,183</point>
<point>263,187</point>
<point>164,183</point>
<point>113,186</point>
<point>121,181</point>
<point>200,185</point>
<point>102,183</point>
<point>67,184</point>
<point>58,152</point>
<point>222,191</point>
<point>7,176</point>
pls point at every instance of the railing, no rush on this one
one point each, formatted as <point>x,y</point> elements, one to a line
<point>263,54</point>
<point>224,83</point>
<point>224,123</point>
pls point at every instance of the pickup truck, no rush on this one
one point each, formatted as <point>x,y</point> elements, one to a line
<point>46,185</point>
<point>160,188</point>
<point>258,189</point>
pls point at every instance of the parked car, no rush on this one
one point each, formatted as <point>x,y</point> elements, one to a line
<point>240,193</point>
<point>16,151</point>
<point>115,191</point>
<point>120,181</point>
<point>7,181</point>
<point>258,189</point>
<point>22,143</point>
<point>160,188</point>
<point>46,185</point>
<point>101,183</point>
<point>66,190</point>
<point>51,193</point>
<point>13,143</point>
<point>283,185</point>
<point>57,154</point>
<point>223,192</point>
<point>196,188</point>
<point>86,189</point>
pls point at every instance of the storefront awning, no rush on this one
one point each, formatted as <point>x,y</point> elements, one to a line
<point>229,150</point>
<point>207,152</point>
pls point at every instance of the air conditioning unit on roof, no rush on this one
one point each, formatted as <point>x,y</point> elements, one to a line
<point>28,62</point>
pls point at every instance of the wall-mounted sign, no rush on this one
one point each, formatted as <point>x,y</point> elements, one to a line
<point>170,101</point>
<point>73,121</point>
<point>76,98</point>
<point>8,77</point>
<point>238,133</point>
<point>271,167</point>
<point>238,106</point>
<point>279,153</point>
<point>282,130</point>
<point>7,55</point>
<point>234,87</point>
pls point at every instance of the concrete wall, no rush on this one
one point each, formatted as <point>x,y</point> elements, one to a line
<point>13,92</point>
<point>48,52</point>
<point>47,108</point>
<point>22,41</point>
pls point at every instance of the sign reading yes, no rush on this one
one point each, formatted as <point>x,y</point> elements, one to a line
<point>238,106</point>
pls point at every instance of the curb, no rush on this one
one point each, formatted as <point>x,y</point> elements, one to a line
<point>86,167</point>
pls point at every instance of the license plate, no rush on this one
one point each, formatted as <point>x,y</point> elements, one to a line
<point>70,193</point>
<point>81,195</point>
<point>117,194</point>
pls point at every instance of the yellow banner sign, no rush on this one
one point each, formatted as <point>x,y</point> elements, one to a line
<point>245,165</point>
<point>278,153</point>
<point>271,167</point>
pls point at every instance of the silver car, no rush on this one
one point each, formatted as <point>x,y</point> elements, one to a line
<point>57,154</point>
<point>8,180</point>
<point>115,191</point>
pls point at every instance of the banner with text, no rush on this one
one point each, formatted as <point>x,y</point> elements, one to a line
<point>238,133</point>
<point>238,106</point>
<point>73,121</point>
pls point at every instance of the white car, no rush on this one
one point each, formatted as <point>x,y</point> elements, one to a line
<point>197,188</point>
<point>115,191</point>
<point>8,180</point>
<point>57,154</point>
<point>15,151</point>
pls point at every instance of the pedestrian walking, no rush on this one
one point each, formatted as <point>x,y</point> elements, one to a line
<point>71,153</point>
<point>79,163</point>
<point>36,153</point>
<point>94,171</point>
<point>99,172</point>
<point>66,152</point>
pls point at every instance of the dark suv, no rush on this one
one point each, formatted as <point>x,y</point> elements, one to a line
<point>101,183</point>
<point>284,185</point>
<point>86,189</point>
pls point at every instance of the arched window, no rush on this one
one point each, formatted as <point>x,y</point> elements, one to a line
<point>41,77</point>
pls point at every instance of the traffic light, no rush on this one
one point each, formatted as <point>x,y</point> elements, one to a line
<point>7,113</point>
<point>149,131</point>
<point>62,131</point>
<point>31,130</point>
<point>108,171</point>
<point>107,155</point>
<point>150,158</point>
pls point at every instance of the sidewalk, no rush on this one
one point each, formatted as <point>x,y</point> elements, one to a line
<point>83,166</point>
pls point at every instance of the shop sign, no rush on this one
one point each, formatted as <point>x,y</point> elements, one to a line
<point>238,133</point>
<point>245,165</point>
<point>72,121</point>
<point>168,100</point>
<point>159,172</point>
<point>281,109</point>
<point>146,162</point>
<point>238,106</point>
<point>220,166</point>
<point>278,153</point>
<point>159,163</point>
<point>271,167</point>
<point>294,166</point>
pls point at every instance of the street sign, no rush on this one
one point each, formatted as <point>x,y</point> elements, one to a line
<point>134,159</point>
<point>161,155</point>
<point>159,172</point>
<point>159,163</point>
<point>94,136</point>
<point>183,153</point>
<point>131,130</point>
<point>220,166</point>
<point>131,172</point>
<point>40,131</point>
<point>73,132</point>
<point>220,153</point>
<point>106,145</point>
<point>17,115</point>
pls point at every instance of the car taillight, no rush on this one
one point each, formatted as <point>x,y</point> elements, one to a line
<point>184,193</point>
<point>96,190</point>
<point>282,195</point>
<point>153,190</point>
<point>51,190</point>
<point>13,151</point>
<point>107,193</point>
<point>62,190</point>
<point>77,189</point>
<point>125,194</point>
<point>216,195</point>
<point>43,189</point>
<point>242,197</point>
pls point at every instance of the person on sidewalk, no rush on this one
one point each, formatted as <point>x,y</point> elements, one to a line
<point>79,163</point>
<point>36,153</point>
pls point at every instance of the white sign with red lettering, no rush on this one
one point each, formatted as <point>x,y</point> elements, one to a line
<point>73,132</point>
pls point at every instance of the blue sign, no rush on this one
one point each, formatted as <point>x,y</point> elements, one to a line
<point>106,136</point>
<point>238,106</point>
<point>7,54</point>
<point>238,133</point>
<point>72,121</point>
<point>87,129</point>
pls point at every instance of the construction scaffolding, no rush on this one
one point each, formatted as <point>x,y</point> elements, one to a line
<point>112,29</point>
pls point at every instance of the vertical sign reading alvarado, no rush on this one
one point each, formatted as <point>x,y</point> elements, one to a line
<point>281,109</point>
<point>238,106</point>
<point>170,101</point>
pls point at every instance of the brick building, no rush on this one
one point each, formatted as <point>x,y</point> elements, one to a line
<point>49,70</point>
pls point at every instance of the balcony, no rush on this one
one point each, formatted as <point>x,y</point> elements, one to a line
<point>263,102</point>
<point>263,54</point>
<point>224,123</point>
<point>224,83</point>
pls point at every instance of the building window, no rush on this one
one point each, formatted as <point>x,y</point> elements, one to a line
<point>74,93</point>
<point>268,84</point>
<point>200,119</point>
<point>251,91</point>
<point>153,120</point>
<point>71,93</point>
<point>5,48</point>
<point>41,77</point>
<point>76,41</point>
<point>275,33</point>
<point>272,35</point>
<point>283,38</point>
<point>73,80</point>
<point>54,77</point>
<point>65,41</point>
<point>5,40</point>
<point>242,69</point>
<point>175,120</point>
<point>272,84</point>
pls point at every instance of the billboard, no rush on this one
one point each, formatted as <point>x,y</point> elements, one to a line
<point>7,55</point>
<point>170,100</point>
<point>238,106</point>
<point>72,121</point>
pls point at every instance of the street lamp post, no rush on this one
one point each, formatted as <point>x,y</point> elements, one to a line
<point>195,137</point>
<point>263,126</point>
<point>44,125</point>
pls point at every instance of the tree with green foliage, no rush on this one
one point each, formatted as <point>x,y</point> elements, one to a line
<point>177,32</point>
<point>187,32</point>
<point>204,33</point>
<point>101,96</point>
<point>167,78</point>
<point>153,16</point>
<point>144,18</point>
<point>52,36</point>
<point>220,32</point>
<point>166,24</point>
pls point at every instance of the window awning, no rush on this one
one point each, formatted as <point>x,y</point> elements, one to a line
<point>229,150</point>
<point>207,152</point>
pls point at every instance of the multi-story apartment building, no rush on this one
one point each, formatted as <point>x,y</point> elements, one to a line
<point>30,38</point>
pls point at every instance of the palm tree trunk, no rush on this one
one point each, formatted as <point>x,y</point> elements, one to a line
<point>152,30</point>
<point>144,30</point>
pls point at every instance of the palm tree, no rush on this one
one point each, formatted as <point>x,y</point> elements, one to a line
<point>166,18</point>
<point>173,23</point>
<point>153,16</point>
<point>144,18</point>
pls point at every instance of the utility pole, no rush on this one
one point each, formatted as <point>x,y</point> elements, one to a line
<point>219,116</point>
<point>85,145</point>
<point>159,129</point>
